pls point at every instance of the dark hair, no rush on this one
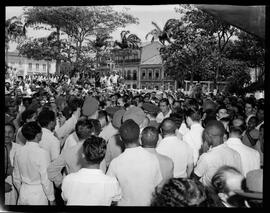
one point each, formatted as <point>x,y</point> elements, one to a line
<point>251,102</point>
<point>97,126</point>
<point>129,131</point>
<point>177,118</point>
<point>194,114</point>
<point>219,179</point>
<point>80,128</point>
<point>149,137</point>
<point>11,125</point>
<point>237,129</point>
<point>179,192</point>
<point>218,125</point>
<point>27,114</point>
<point>164,100</point>
<point>30,130</point>
<point>45,117</point>
<point>94,149</point>
<point>74,104</point>
<point>103,114</point>
<point>222,106</point>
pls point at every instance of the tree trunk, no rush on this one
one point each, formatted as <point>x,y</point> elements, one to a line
<point>216,76</point>
<point>58,62</point>
<point>48,71</point>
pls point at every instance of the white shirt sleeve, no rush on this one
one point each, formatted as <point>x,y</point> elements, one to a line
<point>201,166</point>
<point>16,175</point>
<point>47,185</point>
<point>67,127</point>
<point>55,149</point>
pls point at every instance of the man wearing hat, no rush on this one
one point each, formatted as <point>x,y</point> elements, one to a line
<point>138,116</point>
<point>115,145</point>
<point>151,111</point>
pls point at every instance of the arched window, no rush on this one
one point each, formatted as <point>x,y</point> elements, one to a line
<point>150,73</point>
<point>143,73</point>
<point>157,73</point>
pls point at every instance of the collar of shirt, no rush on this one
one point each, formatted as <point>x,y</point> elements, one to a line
<point>195,125</point>
<point>90,171</point>
<point>232,141</point>
<point>47,131</point>
<point>168,113</point>
<point>32,143</point>
<point>133,149</point>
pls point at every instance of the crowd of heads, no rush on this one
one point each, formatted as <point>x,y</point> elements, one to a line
<point>37,101</point>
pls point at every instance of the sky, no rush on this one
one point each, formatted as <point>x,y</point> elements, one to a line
<point>146,14</point>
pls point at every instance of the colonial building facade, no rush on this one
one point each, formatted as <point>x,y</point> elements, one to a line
<point>22,66</point>
<point>142,68</point>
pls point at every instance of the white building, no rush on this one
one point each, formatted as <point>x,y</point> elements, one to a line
<point>22,66</point>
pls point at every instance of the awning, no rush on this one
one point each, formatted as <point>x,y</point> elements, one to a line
<point>250,19</point>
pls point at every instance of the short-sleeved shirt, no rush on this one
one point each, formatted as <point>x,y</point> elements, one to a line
<point>250,157</point>
<point>138,173</point>
<point>90,187</point>
<point>215,158</point>
<point>180,153</point>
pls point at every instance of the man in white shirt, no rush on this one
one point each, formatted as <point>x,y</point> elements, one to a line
<point>250,157</point>
<point>164,106</point>
<point>215,153</point>
<point>11,149</point>
<point>149,138</point>
<point>49,142</point>
<point>177,150</point>
<point>90,186</point>
<point>194,136</point>
<point>136,170</point>
<point>83,130</point>
<point>30,169</point>
<point>69,125</point>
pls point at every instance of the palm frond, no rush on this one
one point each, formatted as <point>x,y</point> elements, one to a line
<point>157,27</point>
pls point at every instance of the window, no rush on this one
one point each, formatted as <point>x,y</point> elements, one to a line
<point>44,67</point>
<point>30,66</point>
<point>143,74</point>
<point>157,73</point>
<point>37,67</point>
<point>134,75</point>
<point>128,75</point>
<point>150,74</point>
<point>134,86</point>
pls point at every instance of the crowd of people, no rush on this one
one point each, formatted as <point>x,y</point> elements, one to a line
<point>70,141</point>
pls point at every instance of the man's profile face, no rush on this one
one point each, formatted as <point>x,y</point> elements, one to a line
<point>9,134</point>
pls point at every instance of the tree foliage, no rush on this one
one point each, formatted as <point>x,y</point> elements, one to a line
<point>165,34</point>
<point>74,28</point>
<point>128,40</point>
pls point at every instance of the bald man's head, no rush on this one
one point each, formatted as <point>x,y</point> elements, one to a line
<point>149,137</point>
<point>168,126</point>
<point>214,132</point>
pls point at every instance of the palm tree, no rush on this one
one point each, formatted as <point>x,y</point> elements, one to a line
<point>127,43</point>
<point>165,34</point>
<point>100,44</point>
<point>14,31</point>
<point>132,41</point>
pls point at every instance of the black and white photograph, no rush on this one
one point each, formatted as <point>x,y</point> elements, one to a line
<point>134,105</point>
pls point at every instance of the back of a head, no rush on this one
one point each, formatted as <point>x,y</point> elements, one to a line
<point>168,126</point>
<point>149,137</point>
<point>216,128</point>
<point>94,149</point>
<point>236,130</point>
<point>226,179</point>
<point>30,130</point>
<point>27,114</point>
<point>194,114</point>
<point>45,117</point>
<point>180,192</point>
<point>129,131</point>
<point>97,126</point>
